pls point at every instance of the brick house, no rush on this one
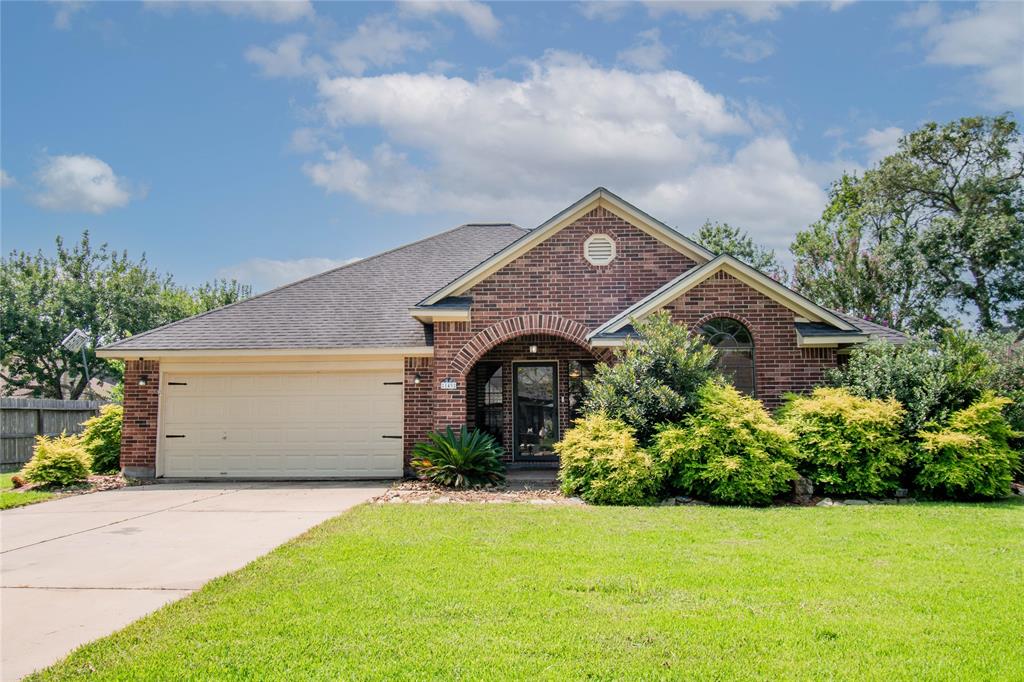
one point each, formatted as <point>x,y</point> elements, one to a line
<point>489,325</point>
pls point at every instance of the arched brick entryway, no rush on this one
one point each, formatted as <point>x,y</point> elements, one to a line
<point>513,327</point>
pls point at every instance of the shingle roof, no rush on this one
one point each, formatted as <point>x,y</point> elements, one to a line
<point>363,304</point>
<point>875,331</point>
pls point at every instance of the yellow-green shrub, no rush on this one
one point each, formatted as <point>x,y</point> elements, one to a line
<point>730,450</point>
<point>57,461</point>
<point>602,463</point>
<point>848,445</point>
<point>101,438</point>
<point>970,458</point>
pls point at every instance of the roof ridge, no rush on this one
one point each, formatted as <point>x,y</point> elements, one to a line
<point>292,284</point>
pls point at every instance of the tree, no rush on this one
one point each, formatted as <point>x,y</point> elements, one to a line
<point>102,292</point>
<point>961,182</point>
<point>937,226</point>
<point>724,238</point>
<point>863,258</point>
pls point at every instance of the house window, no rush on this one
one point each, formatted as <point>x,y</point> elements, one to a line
<point>599,249</point>
<point>735,348</point>
<point>489,414</point>
<point>579,372</point>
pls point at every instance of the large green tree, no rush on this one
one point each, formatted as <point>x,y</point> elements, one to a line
<point>724,238</point>
<point>862,257</point>
<point>936,228</point>
<point>100,291</point>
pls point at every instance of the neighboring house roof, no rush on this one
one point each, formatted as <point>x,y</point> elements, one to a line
<point>738,269</point>
<point>600,197</point>
<point>362,304</point>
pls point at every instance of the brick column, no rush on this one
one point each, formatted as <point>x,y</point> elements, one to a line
<point>141,407</point>
<point>419,403</point>
<point>449,405</point>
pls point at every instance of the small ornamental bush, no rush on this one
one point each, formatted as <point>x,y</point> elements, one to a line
<point>729,451</point>
<point>655,377</point>
<point>848,445</point>
<point>459,460</point>
<point>57,461</point>
<point>102,439</point>
<point>603,464</point>
<point>970,458</point>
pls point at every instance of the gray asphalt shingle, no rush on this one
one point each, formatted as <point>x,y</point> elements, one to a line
<point>363,304</point>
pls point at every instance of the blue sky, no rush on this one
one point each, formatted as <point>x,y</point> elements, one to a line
<point>268,141</point>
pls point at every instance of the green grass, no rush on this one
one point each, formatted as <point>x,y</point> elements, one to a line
<point>10,497</point>
<point>928,591</point>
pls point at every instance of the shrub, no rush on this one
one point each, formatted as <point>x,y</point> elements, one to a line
<point>1008,381</point>
<point>970,458</point>
<point>848,445</point>
<point>57,461</point>
<point>459,460</point>
<point>603,464</point>
<point>655,378</point>
<point>730,450</point>
<point>931,379</point>
<point>102,439</point>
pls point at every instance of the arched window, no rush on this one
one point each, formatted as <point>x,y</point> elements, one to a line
<point>735,348</point>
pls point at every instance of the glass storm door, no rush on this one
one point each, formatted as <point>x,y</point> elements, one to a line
<point>535,398</point>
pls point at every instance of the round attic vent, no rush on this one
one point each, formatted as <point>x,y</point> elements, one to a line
<point>599,249</point>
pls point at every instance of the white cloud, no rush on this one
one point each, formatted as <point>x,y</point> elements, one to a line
<point>840,5</point>
<point>738,45</point>
<point>754,10</point>
<point>268,273</point>
<point>881,143</point>
<point>270,11</point>
<point>7,180</point>
<point>477,16</point>
<point>603,10</point>
<point>521,148</point>
<point>80,183</point>
<point>989,39</point>
<point>377,42</point>
<point>286,59</point>
<point>66,10</point>
<point>648,54</point>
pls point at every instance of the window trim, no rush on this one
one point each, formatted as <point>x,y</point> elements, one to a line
<point>751,346</point>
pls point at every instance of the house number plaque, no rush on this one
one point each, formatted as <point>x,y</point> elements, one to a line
<point>449,384</point>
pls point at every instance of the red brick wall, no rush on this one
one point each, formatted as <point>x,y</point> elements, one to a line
<point>141,407</point>
<point>554,278</point>
<point>780,365</point>
<point>419,403</point>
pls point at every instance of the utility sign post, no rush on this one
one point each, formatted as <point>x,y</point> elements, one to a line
<point>76,341</point>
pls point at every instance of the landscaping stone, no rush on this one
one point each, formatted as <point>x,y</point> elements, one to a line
<point>908,500</point>
<point>826,502</point>
<point>422,492</point>
<point>669,502</point>
<point>855,503</point>
<point>803,490</point>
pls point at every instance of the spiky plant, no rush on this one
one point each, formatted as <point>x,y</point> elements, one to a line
<point>459,460</point>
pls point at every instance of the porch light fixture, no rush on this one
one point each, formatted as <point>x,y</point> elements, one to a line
<point>533,349</point>
<point>417,378</point>
<point>574,372</point>
<point>143,380</point>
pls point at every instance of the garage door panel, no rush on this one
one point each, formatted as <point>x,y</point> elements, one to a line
<point>273,425</point>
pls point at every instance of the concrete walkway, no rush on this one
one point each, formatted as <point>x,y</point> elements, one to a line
<point>79,568</point>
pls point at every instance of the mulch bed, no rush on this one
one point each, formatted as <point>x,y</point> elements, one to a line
<point>422,492</point>
<point>93,484</point>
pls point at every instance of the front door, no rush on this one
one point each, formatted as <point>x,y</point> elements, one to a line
<point>535,409</point>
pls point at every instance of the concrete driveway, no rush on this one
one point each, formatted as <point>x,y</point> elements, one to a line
<point>79,568</point>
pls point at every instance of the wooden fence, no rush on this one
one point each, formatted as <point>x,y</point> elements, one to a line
<point>22,419</point>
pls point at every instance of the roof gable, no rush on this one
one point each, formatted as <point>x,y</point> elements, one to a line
<point>754,278</point>
<point>599,198</point>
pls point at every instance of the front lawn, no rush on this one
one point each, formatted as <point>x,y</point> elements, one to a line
<point>11,497</point>
<point>496,591</point>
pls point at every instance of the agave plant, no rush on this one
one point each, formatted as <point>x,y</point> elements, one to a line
<point>459,460</point>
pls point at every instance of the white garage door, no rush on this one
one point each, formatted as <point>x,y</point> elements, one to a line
<point>346,424</point>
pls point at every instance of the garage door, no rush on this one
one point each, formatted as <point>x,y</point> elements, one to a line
<point>346,424</point>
